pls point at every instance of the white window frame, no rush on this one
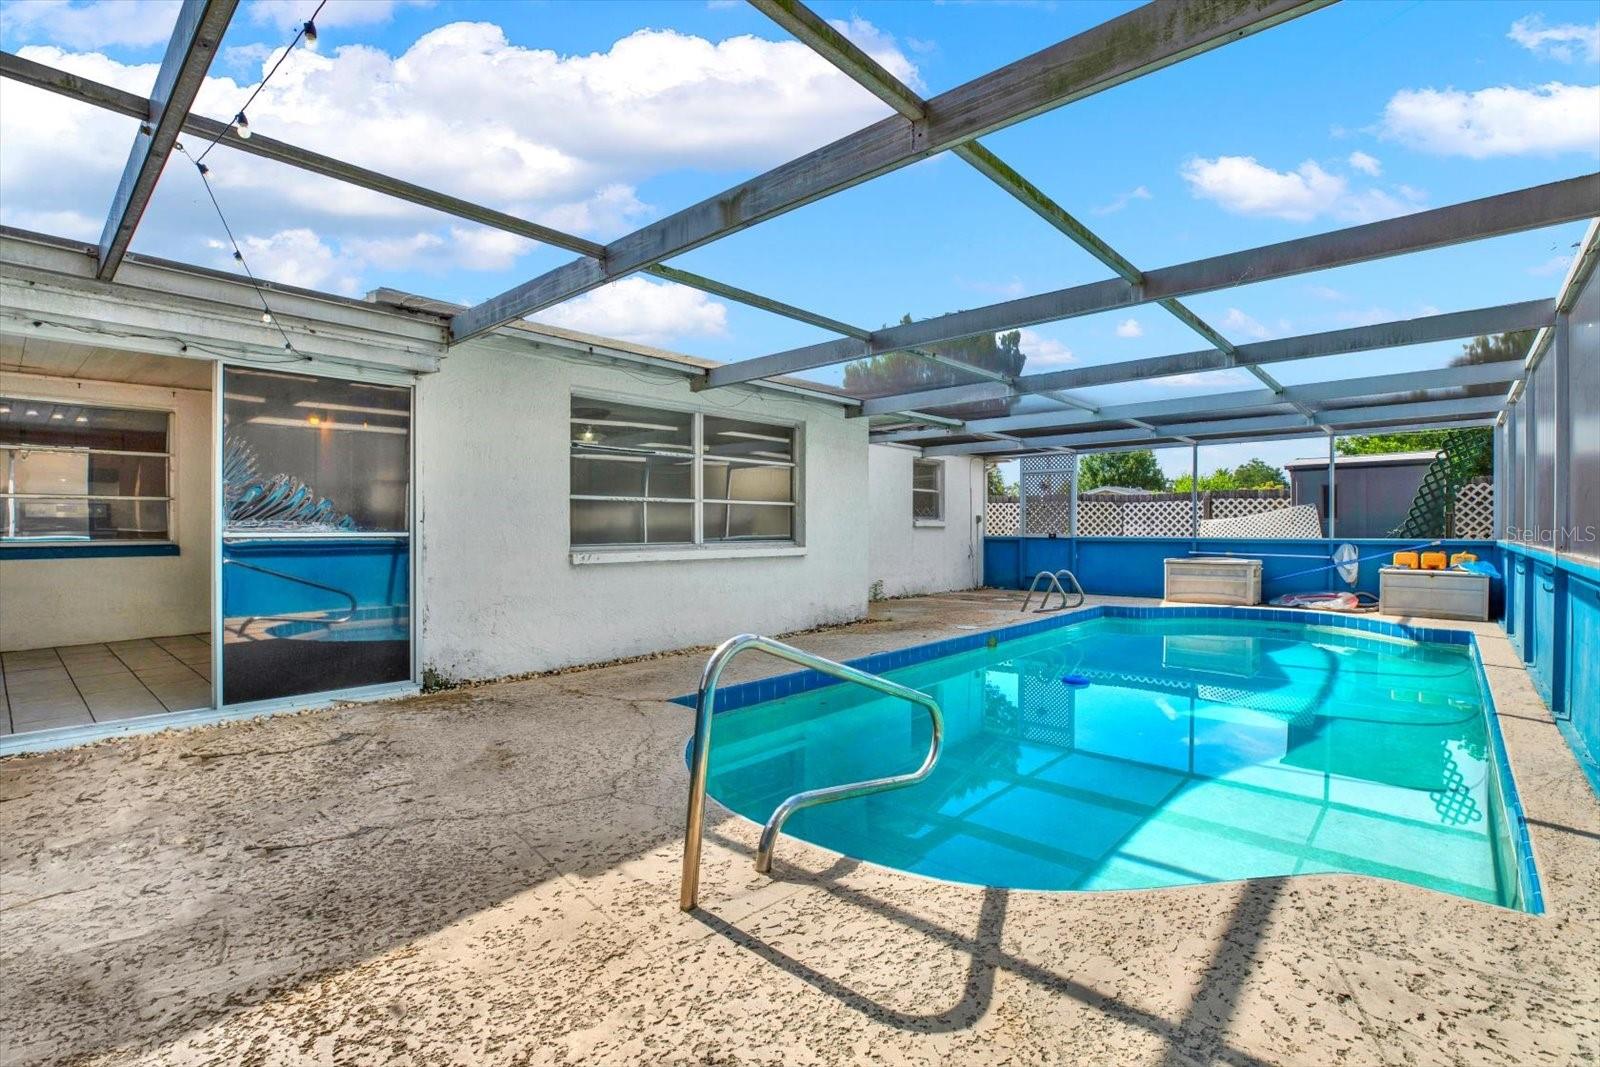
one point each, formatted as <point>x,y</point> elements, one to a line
<point>9,498</point>
<point>937,492</point>
<point>701,547</point>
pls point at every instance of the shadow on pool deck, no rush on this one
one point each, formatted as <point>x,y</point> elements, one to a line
<point>491,875</point>
<point>1201,1030</point>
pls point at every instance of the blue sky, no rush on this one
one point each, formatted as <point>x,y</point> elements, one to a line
<point>598,117</point>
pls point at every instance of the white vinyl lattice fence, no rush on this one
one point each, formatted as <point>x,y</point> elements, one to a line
<point>1474,516</point>
<point>1167,514</point>
<point>1140,515</point>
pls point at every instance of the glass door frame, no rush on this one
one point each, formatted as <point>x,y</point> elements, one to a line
<point>338,372</point>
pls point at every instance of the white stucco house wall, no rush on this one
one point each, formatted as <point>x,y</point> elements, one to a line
<point>503,591</point>
<point>908,555</point>
<point>501,580</point>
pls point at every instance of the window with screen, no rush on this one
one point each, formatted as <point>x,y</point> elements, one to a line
<point>74,472</point>
<point>648,476</point>
<point>927,490</point>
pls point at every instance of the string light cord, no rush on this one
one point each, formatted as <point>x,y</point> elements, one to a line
<point>307,32</point>
<point>184,344</point>
<point>238,254</point>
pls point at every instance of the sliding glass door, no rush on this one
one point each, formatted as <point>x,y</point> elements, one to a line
<point>316,549</point>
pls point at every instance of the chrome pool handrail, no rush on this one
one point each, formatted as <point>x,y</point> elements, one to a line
<point>346,617</point>
<point>1054,587</point>
<point>700,753</point>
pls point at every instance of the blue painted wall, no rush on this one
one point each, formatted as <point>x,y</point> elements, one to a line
<point>1553,617</point>
<point>1133,566</point>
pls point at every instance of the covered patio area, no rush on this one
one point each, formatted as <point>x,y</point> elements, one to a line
<point>489,875</point>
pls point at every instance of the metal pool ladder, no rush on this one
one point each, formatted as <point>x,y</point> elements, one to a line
<point>1053,587</point>
<point>700,753</point>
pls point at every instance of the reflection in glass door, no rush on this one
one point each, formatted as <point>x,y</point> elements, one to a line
<point>316,552</point>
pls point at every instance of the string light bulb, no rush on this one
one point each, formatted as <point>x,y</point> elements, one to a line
<point>241,126</point>
<point>309,32</point>
<point>266,317</point>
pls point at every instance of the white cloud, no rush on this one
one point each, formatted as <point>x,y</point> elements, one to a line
<point>1567,42</point>
<point>637,309</point>
<point>1244,186</point>
<point>68,223</point>
<point>1122,200</point>
<point>1327,292</point>
<point>465,246</point>
<point>611,212</point>
<point>1551,267</point>
<point>565,140</point>
<point>1366,164</point>
<point>1199,379</point>
<point>1500,121</point>
<point>1238,323</point>
<point>97,24</point>
<point>880,46</point>
<point>296,257</point>
<point>1043,351</point>
<point>1130,328</point>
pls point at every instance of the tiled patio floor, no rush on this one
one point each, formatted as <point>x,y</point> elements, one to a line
<point>75,685</point>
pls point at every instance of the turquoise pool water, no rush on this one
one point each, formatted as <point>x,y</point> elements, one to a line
<point>1201,750</point>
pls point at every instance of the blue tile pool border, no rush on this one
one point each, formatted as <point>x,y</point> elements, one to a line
<point>744,694</point>
<point>732,697</point>
<point>1516,821</point>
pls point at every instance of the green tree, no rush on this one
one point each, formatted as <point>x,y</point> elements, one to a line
<point>1490,348</point>
<point>1378,444</point>
<point>1252,474</point>
<point>997,484</point>
<point>1133,470</point>
<point>1259,474</point>
<point>905,372</point>
<point>1215,482</point>
<point>1495,348</point>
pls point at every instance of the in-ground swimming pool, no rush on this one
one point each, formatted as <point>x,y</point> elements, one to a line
<point>1208,745</point>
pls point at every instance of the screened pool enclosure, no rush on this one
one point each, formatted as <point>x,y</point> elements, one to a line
<point>314,449</point>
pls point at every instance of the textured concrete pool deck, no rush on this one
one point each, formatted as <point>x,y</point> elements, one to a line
<point>490,876</point>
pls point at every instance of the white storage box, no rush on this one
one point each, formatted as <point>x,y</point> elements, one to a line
<point>1214,581</point>
<point>1433,594</point>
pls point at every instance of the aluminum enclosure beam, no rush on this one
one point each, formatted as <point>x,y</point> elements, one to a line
<point>192,46</point>
<point>1468,411</point>
<point>110,98</point>
<point>1450,326</point>
<point>1299,433</point>
<point>1158,411</point>
<point>1492,216</point>
<point>1146,39</point>
<point>815,32</point>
